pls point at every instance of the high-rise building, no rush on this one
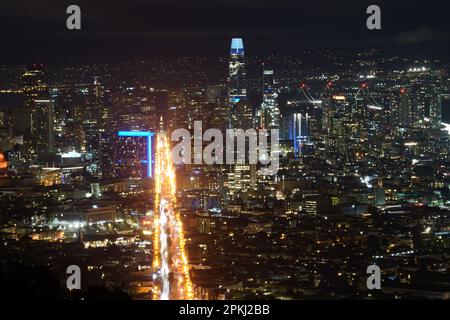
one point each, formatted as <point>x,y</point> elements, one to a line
<point>237,84</point>
<point>239,175</point>
<point>130,152</point>
<point>404,110</point>
<point>216,99</point>
<point>175,104</point>
<point>11,104</point>
<point>36,122</point>
<point>192,108</point>
<point>270,112</point>
<point>240,109</point>
<point>108,144</point>
<point>42,126</point>
<point>424,89</point>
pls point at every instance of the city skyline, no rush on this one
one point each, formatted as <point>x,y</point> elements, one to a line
<point>258,169</point>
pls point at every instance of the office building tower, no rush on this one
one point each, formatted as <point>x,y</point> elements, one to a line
<point>269,112</point>
<point>42,126</point>
<point>424,88</point>
<point>239,175</point>
<point>216,99</point>
<point>240,108</point>
<point>36,121</point>
<point>237,86</point>
<point>404,110</point>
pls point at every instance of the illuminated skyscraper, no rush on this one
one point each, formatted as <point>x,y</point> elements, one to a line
<point>270,113</point>
<point>134,154</point>
<point>424,93</point>
<point>241,111</point>
<point>36,122</point>
<point>239,176</point>
<point>216,98</point>
<point>42,126</point>
<point>237,76</point>
<point>404,110</point>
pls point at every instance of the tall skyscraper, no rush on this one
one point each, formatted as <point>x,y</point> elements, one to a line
<point>239,175</point>
<point>424,90</point>
<point>36,122</point>
<point>270,112</point>
<point>216,98</point>
<point>42,126</point>
<point>237,76</point>
<point>404,110</point>
<point>240,109</point>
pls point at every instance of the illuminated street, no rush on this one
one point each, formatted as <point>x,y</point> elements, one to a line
<point>170,263</point>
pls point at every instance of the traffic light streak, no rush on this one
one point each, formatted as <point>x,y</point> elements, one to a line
<point>170,263</point>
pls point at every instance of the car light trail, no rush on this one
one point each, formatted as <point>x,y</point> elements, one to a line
<point>164,272</point>
<point>170,262</point>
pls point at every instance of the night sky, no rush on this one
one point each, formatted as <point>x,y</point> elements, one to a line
<point>35,30</point>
